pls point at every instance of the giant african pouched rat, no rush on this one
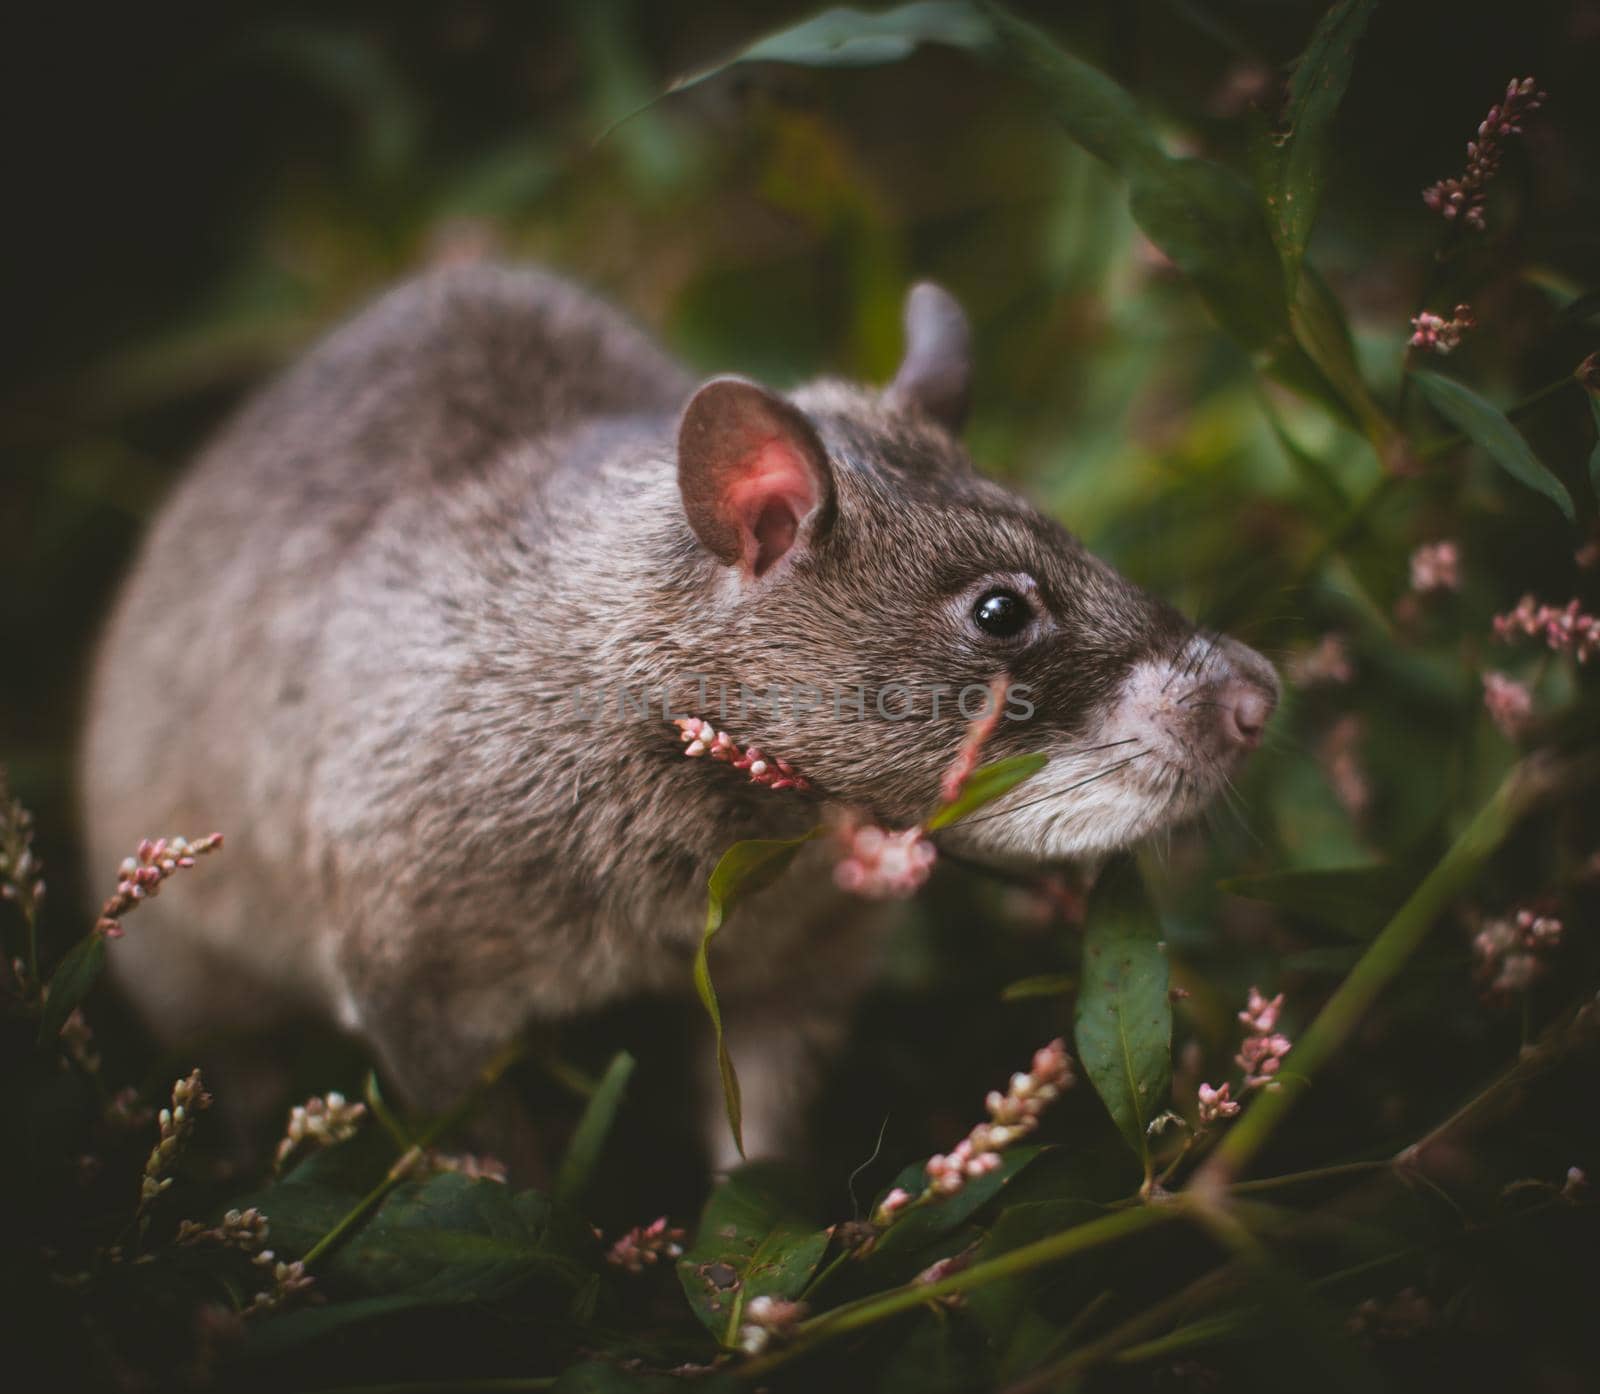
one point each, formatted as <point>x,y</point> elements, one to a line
<point>355,637</point>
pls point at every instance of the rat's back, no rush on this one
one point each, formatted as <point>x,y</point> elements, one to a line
<point>200,716</point>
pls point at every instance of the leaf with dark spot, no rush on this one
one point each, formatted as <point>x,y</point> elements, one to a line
<point>754,1240</point>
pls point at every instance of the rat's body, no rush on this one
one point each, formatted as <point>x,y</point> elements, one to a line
<point>355,637</point>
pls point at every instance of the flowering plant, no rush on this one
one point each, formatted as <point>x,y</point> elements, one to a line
<point>1302,1095</point>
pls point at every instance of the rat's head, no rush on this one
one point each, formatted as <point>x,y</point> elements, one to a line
<point>871,584</point>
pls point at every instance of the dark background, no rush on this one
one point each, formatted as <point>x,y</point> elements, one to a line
<point>197,191</point>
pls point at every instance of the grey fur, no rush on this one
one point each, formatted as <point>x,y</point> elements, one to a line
<point>350,642</point>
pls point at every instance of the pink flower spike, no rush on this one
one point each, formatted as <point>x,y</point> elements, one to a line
<point>891,1205</point>
<point>1564,629</point>
<point>1012,1116</point>
<point>1215,1103</point>
<point>1327,662</point>
<point>644,1245</point>
<point>1435,334</point>
<point>1263,1048</point>
<point>978,733</point>
<point>1261,1015</point>
<point>702,738</point>
<point>1436,566</point>
<point>1509,703</point>
<point>881,865</point>
<point>1463,197</point>
<point>140,876</point>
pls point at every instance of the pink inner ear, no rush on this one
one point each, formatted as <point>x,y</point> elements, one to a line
<point>768,500</point>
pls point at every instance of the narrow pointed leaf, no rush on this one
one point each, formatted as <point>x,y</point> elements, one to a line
<point>1097,112</point>
<point>744,868</point>
<point>1323,331</point>
<point>845,37</point>
<point>1124,1020</point>
<point>1356,901</point>
<point>988,783</point>
<point>1294,158</point>
<point>1041,985</point>
<point>70,983</point>
<point>590,1136</point>
<point>1487,427</point>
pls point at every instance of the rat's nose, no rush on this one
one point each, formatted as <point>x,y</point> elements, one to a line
<point>1243,712</point>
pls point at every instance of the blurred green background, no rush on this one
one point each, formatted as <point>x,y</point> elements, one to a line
<point>197,191</point>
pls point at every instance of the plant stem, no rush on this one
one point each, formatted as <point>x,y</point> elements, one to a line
<point>407,1161</point>
<point>1297,1178</point>
<point>1386,956</point>
<point>868,1311</point>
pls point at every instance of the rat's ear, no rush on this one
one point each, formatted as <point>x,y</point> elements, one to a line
<point>935,377</point>
<point>751,472</point>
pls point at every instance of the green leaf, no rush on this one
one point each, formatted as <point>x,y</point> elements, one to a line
<point>1323,332</point>
<point>1097,112</point>
<point>1210,222</point>
<point>1293,158</point>
<point>1040,985</point>
<point>1487,426</point>
<point>744,868</point>
<point>590,1136</point>
<point>1124,1021</point>
<point>987,783</point>
<point>444,1240</point>
<point>1355,900</point>
<point>849,38</point>
<point>70,983</point>
<point>1200,214</point>
<point>754,1240</point>
<point>926,1223</point>
<point>1203,216</point>
<point>458,1239</point>
<point>1206,219</point>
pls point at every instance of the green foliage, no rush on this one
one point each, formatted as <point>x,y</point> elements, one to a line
<point>583,1151</point>
<point>753,1241</point>
<point>988,783</point>
<point>70,983</point>
<point>849,38</point>
<point>1147,264</point>
<point>1293,160</point>
<point>744,869</point>
<point>1353,900</point>
<point>1124,1018</point>
<point>924,1226</point>
<point>1486,426</point>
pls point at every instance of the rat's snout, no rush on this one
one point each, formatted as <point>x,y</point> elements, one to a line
<point>1244,696</point>
<point>1242,713</point>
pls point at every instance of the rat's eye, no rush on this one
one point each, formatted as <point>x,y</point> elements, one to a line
<point>1002,614</point>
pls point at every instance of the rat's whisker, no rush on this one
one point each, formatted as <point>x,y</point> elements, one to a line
<point>1059,793</point>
